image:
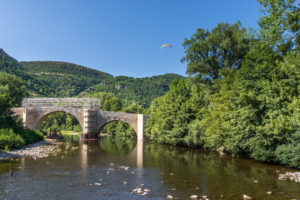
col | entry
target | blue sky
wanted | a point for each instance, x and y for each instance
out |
(118, 37)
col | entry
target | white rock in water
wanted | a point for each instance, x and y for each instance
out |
(145, 193)
(139, 191)
(169, 196)
(255, 181)
(125, 182)
(269, 192)
(194, 196)
(98, 184)
(146, 190)
(246, 196)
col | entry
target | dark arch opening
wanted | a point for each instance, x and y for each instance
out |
(117, 128)
(60, 123)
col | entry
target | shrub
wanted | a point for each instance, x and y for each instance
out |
(10, 140)
(30, 136)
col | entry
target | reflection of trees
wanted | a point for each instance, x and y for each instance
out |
(214, 175)
(117, 145)
(72, 139)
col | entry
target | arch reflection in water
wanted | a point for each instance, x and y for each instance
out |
(123, 146)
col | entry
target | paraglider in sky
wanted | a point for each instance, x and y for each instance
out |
(166, 45)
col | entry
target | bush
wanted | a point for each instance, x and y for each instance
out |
(30, 136)
(10, 140)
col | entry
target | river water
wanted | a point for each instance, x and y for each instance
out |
(112, 168)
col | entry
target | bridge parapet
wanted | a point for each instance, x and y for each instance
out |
(85, 103)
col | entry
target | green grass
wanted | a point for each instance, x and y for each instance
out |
(63, 132)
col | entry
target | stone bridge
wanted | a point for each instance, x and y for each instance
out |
(86, 110)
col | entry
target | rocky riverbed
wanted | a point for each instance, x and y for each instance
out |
(293, 176)
(40, 149)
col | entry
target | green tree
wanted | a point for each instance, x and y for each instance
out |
(210, 53)
(12, 89)
(279, 26)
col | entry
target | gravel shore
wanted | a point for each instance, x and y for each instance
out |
(40, 149)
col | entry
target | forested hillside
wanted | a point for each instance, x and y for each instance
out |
(66, 79)
(139, 90)
(35, 86)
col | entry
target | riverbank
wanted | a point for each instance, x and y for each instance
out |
(40, 149)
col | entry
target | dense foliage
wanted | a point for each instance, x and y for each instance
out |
(13, 67)
(65, 79)
(12, 134)
(208, 54)
(139, 90)
(252, 107)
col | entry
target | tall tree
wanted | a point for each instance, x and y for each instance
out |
(209, 53)
(279, 26)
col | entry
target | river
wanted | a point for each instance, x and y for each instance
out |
(116, 168)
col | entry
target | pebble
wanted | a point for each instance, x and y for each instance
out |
(194, 196)
(125, 182)
(98, 184)
(255, 181)
(145, 193)
(169, 196)
(40, 149)
(246, 197)
(269, 192)
(139, 191)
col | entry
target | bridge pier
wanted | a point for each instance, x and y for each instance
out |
(89, 125)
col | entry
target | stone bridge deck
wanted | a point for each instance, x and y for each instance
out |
(86, 110)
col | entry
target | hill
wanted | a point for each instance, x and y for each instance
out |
(66, 79)
(12, 66)
(139, 90)
(62, 79)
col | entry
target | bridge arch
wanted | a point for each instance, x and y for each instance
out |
(44, 116)
(128, 118)
(116, 120)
